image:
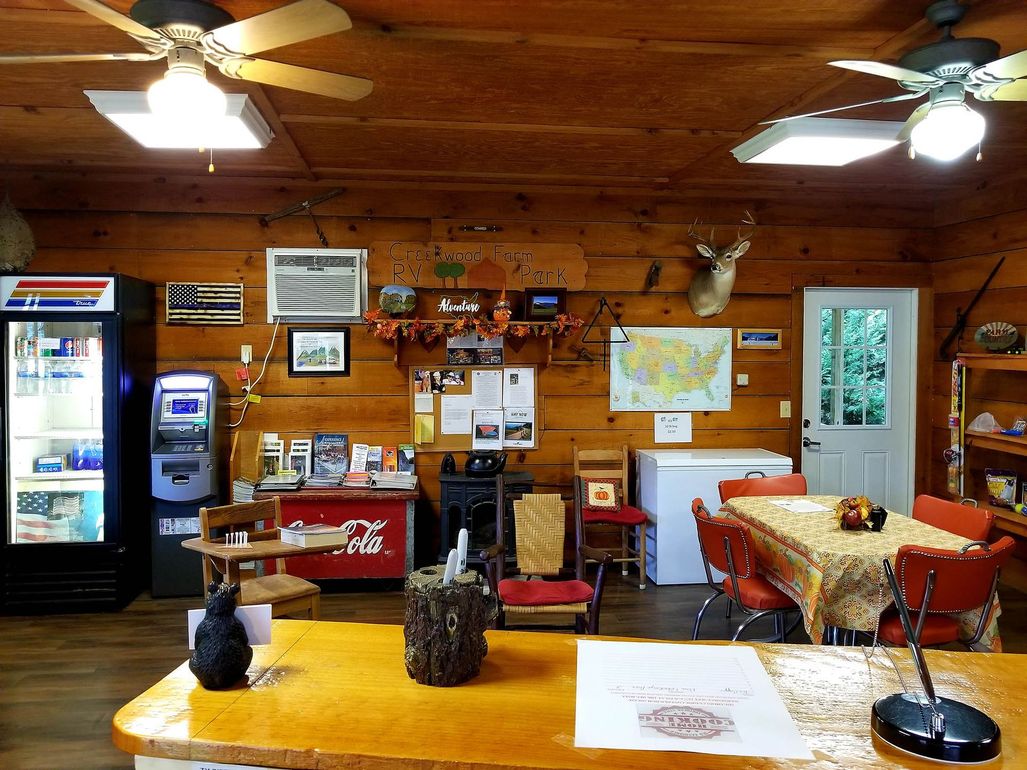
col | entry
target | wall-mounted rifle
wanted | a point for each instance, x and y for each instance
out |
(962, 315)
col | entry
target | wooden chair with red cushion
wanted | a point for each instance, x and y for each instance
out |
(539, 533)
(961, 519)
(937, 584)
(727, 545)
(604, 503)
(752, 486)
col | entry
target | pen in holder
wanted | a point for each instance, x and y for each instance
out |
(445, 625)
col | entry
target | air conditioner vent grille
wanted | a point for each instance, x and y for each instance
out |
(316, 284)
(315, 260)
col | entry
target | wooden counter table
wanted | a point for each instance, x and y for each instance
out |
(379, 522)
(336, 695)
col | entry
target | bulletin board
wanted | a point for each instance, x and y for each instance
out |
(450, 442)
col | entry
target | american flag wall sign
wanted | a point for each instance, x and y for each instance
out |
(204, 304)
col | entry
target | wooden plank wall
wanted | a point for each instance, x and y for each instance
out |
(208, 230)
(965, 253)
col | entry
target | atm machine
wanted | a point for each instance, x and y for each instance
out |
(188, 458)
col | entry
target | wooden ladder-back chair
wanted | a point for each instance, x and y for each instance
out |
(753, 485)
(937, 584)
(540, 527)
(961, 519)
(603, 473)
(287, 594)
(727, 545)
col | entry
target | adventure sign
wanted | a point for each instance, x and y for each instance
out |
(452, 265)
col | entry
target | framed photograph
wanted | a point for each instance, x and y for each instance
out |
(544, 304)
(319, 352)
(765, 339)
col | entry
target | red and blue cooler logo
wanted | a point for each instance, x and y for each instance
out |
(57, 293)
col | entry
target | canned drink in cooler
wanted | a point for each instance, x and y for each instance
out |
(78, 347)
(67, 346)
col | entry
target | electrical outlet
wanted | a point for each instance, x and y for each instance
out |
(742, 380)
(246, 354)
(786, 408)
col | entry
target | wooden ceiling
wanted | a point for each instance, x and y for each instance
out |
(583, 93)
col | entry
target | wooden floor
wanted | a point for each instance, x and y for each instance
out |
(63, 677)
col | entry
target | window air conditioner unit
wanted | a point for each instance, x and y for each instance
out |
(316, 285)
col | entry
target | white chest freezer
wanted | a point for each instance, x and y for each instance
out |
(668, 480)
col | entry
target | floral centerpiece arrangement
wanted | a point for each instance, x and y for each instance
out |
(860, 513)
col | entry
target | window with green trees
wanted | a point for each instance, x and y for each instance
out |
(853, 366)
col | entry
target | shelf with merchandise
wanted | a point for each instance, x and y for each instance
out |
(61, 476)
(429, 331)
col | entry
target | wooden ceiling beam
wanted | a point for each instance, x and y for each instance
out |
(274, 120)
(649, 45)
(528, 128)
(588, 180)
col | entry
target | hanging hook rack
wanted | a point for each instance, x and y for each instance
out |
(306, 206)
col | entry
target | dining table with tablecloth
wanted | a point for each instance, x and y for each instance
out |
(837, 576)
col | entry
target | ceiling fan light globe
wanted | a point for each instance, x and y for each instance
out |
(185, 95)
(948, 131)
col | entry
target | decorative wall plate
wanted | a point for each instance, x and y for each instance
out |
(396, 299)
(996, 336)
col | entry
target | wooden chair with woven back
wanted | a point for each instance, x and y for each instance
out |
(603, 475)
(287, 594)
(540, 530)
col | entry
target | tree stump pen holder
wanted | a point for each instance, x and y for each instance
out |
(445, 626)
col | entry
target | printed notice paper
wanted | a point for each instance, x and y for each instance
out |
(456, 414)
(672, 427)
(519, 387)
(487, 388)
(488, 429)
(681, 697)
(424, 403)
(799, 506)
(519, 428)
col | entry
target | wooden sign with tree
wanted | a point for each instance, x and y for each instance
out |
(513, 266)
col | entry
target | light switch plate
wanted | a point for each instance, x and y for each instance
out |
(786, 408)
(742, 380)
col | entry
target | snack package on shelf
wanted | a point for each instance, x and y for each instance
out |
(1001, 484)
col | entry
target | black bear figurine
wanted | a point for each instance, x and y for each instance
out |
(223, 652)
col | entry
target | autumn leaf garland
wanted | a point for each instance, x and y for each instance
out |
(430, 330)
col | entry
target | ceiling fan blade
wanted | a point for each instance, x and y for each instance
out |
(40, 58)
(292, 23)
(886, 71)
(1006, 92)
(899, 98)
(112, 17)
(1009, 67)
(918, 114)
(299, 78)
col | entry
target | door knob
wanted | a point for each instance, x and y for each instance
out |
(807, 442)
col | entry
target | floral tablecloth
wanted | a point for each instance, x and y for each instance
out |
(836, 576)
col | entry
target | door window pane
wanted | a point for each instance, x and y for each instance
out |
(853, 366)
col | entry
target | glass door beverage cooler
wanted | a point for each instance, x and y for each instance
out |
(78, 368)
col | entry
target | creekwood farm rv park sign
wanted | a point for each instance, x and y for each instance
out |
(451, 265)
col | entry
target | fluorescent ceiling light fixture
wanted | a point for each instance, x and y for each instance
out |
(240, 128)
(819, 141)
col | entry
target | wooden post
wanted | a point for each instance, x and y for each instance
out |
(445, 626)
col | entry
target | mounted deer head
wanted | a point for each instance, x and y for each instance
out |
(710, 289)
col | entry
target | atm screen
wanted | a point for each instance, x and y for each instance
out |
(181, 406)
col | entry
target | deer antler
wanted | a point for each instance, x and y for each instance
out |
(748, 220)
(693, 234)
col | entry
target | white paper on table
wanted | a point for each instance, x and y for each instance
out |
(799, 506)
(487, 388)
(424, 403)
(488, 429)
(681, 697)
(519, 387)
(456, 414)
(519, 428)
(256, 619)
(672, 427)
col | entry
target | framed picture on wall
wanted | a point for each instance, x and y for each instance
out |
(544, 304)
(319, 352)
(756, 339)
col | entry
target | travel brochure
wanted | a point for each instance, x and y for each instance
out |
(474, 349)
(326, 461)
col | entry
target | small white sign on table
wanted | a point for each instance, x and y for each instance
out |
(672, 427)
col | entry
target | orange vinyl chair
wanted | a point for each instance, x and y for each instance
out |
(937, 583)
(727, 545)
(751, 486)
(611, 465)
(540, 527)
(961, 519)
(287, 594)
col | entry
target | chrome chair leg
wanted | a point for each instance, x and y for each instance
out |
(751, 619)
(702, 610)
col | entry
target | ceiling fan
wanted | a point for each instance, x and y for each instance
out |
(945, 71)
(190, 33)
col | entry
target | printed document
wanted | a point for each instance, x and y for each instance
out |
(799, 506)
(456, 414)
(487, 388)
(519, 387)
(681, 697)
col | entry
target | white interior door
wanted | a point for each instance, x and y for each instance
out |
(859, 393)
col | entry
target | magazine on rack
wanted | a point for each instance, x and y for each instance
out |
(386, 480)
